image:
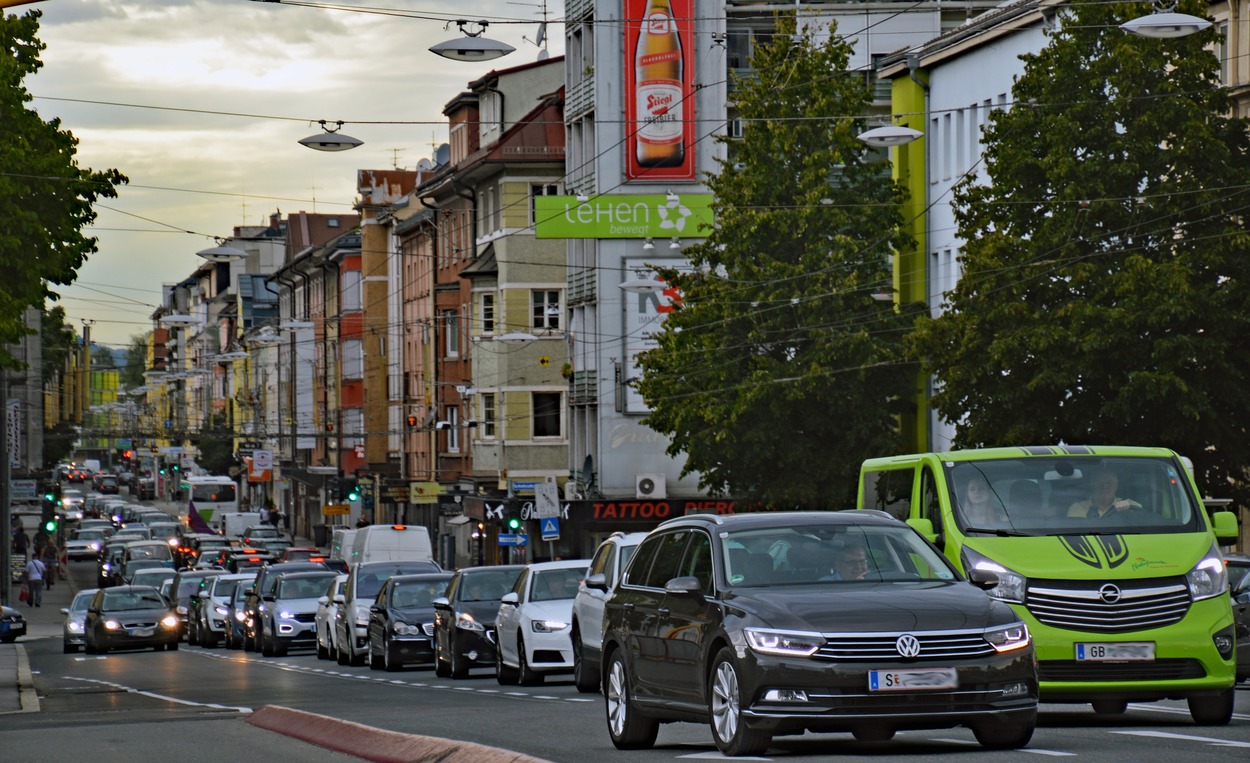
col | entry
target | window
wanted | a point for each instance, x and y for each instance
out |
(489, 416)
(487, 313)
(536, 190)
(350, 286)
(889, 491)
(545, 309)
(698, 561)
(452, 336)
(667, 564)
(547, 407)
(453, 432)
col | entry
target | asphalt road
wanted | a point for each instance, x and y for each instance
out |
(188, 705)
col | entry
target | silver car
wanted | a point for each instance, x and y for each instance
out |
(75, 615)
(214, 609)
(609, 561)
(291, 610)
(327, 608)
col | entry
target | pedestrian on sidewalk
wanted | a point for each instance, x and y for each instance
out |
(21, 542)
(49, 559)
(34, 582)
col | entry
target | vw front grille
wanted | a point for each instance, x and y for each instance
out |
(875, 647)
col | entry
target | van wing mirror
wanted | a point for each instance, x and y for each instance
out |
(1225, 525)
(598, 581)
(983, 579)
(924, 527)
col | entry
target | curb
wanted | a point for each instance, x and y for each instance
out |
(29, 698)
(376, 744)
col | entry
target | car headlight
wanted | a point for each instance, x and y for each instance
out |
(182, 610)
(1006, 638)
(467, 622)
(112, 625)
(240, 615)
(404, 629)
(785, 643)
(173, 542)
(285, 615)
(93, 546)
(1011, 584)
(74, 626)
(106, 566)
(169, 621)
(548, 626)
(1209, 577)
(221, 611)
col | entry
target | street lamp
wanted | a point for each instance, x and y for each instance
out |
(642, 284)
(1164, 23)
(888, 136)
(222, 252)
(331, 139)
(473, 46)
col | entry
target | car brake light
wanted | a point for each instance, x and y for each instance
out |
(398, 527)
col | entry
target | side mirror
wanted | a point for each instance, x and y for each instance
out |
(924, 527)
(510, 597)
(983, 579)
(375, 608)
(269, 597)
(683, 586)
(442, 603)
(65, 610)
(203, 594)
(324, 600)
(598, 581)
(1225, 525)
(339, 599)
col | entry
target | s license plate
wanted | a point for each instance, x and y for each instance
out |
(897, 680)
(142, 631)
(1131, 651)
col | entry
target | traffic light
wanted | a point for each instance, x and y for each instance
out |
(50, 525)
(413, 420)
(176, 467)
(334, 488)
(514, 521)
(351, 489)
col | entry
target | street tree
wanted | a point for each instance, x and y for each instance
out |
(777, 370)
(136, 362)
(102, 358)
(1105, 295)
(45, 197)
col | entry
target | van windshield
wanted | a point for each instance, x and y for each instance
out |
(1073, 495)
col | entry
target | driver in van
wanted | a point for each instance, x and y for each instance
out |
(1102, 497)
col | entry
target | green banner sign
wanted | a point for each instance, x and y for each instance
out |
(624, 216)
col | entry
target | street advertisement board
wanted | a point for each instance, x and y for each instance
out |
(659, 90)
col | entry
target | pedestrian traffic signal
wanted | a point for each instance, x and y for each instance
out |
(334, 488)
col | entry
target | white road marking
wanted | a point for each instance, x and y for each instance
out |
(715, 755)
(162, 697)
(1213, 741)
(1155, 708)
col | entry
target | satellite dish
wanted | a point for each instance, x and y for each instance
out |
(425, 164)
(442, 154)
(588, 470)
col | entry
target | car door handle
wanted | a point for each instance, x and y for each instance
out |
(627, 605)
(663, 611)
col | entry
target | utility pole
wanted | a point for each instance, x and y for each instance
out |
(6, 512)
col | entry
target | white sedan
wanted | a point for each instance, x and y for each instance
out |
(532, 633)
(327, 608)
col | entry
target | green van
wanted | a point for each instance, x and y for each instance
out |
(1106, 553)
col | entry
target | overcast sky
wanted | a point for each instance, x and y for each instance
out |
(206, 173)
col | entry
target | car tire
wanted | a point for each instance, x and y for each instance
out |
(356, 660)
(629, 729)
(441, 668)
(375, 660)
(526, 676)
(1110, 706)
(459, 663)
(322, 652)
(341, 657)
(1005, 735)
(729, 728)
(389, 663)
(172, 646)
(266, 647)
(585, 679)
(210, 640)
(279, 647)
(505, 675)
(69, 648)
(1212, 709)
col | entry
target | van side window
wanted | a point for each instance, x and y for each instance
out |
(930, 504)
(889, 491)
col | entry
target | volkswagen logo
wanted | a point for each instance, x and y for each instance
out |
(1109, 593)
(908, 645)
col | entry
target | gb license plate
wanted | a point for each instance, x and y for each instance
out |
(914, 680)
(1128, 651)
(142, 631)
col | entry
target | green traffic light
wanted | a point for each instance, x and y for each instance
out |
(50, 525)
(514, 523)
(162, 470)
(353, 495)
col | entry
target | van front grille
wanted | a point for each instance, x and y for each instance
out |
(1100, 606)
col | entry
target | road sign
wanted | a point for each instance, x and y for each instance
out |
(513, 539)
(550, 527)
(546, 500)
(262, 459)
(23, 490)
(336, 509)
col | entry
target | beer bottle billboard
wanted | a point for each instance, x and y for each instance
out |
(659, 100)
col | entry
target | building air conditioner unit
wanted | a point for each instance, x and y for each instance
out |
(650, 486)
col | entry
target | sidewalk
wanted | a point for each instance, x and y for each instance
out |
(17, 692)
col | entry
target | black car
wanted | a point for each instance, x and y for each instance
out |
(129, 617)
(185, 594)
(401, 620)
(1239, 588)
(12, 625)
(464, 619)
(782, 623)
(266, 581)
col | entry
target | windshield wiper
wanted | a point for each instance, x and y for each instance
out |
(1001, 532)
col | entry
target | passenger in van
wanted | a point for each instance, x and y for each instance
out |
(980, 506)
(1103, 498)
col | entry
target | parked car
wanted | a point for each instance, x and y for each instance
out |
(401, 620)
(608, 562)
(266, 580)
(12, 625)
(351, 622)
(214, 613)
(327, 608)
(1239, 588)
(75, 616)
(291, 610)
(464, 619)
(532, 636)
(129, 617)
(704, 626)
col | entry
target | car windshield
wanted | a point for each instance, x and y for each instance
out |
(225, 588)
(89, 535)
(487, 586)
(302, 588)
(417, 593)
(121, 601)
(188, 585)
(159, 552)
(1073, 495)
(370, 582)
(81, 601)
(828, 554)
(550, 585)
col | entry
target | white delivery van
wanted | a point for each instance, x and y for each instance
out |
(391, 543)
(341, 543)
(232, 523)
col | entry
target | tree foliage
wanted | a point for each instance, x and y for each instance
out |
(58, 341)
(45, 197)
(136, 362)
(1105, 296)
(216, 446)
(779, 372)
(102, 358)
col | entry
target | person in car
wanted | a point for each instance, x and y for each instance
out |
(1102, 497)
(979, 504)
(850, 562)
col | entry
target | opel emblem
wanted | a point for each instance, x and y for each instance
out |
(908, 645)
(1109, 593)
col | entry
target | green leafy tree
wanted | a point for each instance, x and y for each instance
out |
(136, 362)
(216, 446)
(45, 197)
(102, 358)
(780, 372)
(58, 341)
(1105, 295)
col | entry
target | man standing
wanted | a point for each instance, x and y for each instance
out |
(21, 541)
(34, 582)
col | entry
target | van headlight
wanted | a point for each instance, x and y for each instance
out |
(784, 643)
(1011, 584)
(1209, 577)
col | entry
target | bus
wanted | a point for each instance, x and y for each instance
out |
(210, 496)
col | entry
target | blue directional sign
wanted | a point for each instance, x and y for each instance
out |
(513, 539)
(551, 528)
